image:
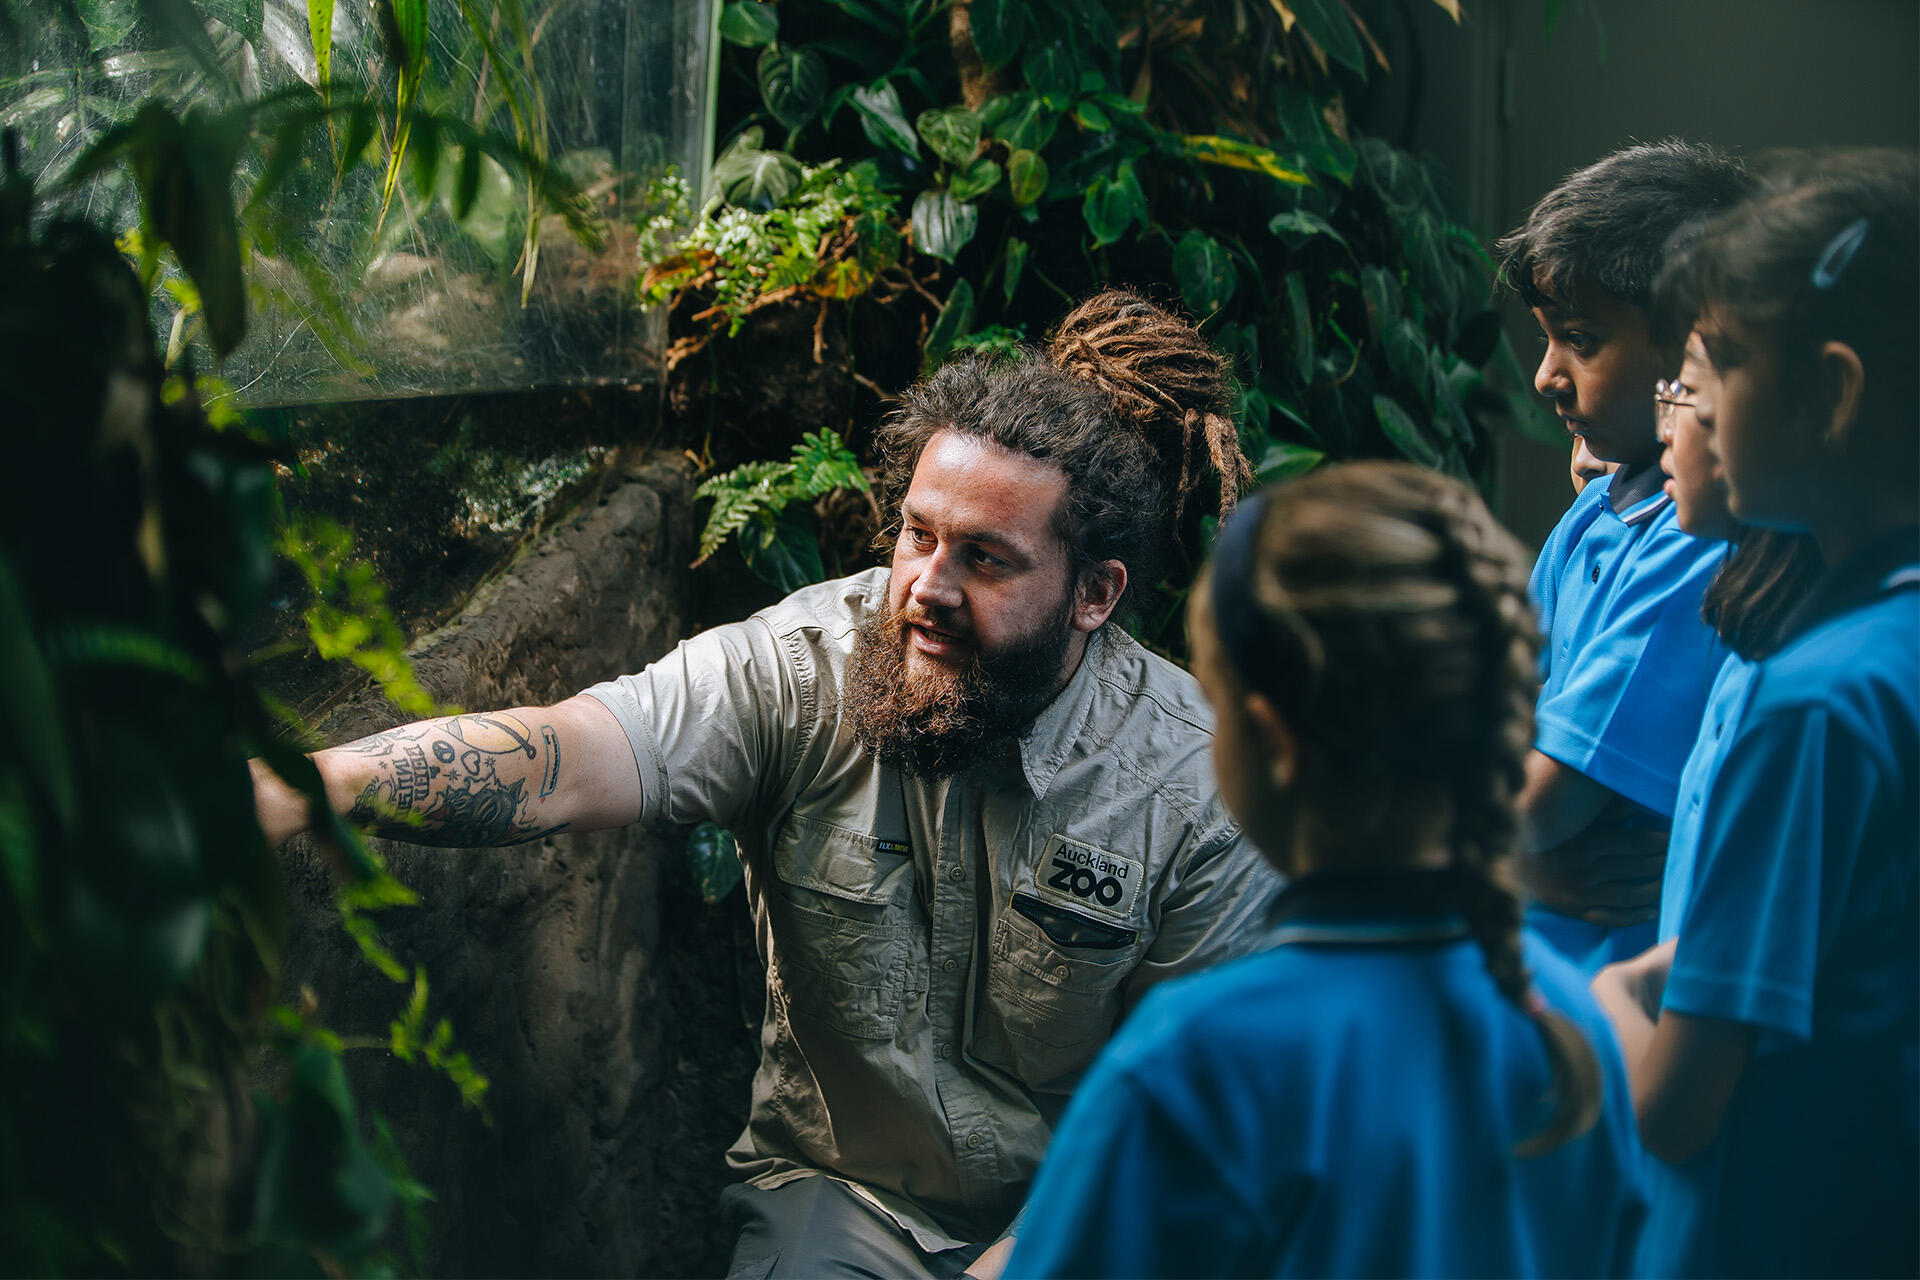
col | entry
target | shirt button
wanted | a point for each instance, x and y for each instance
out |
(974, 1139)
(956, 871)
(946, 1050)
(949, 965)
(1062, 973)
(1596, 571)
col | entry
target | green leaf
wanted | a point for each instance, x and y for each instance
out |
(1049, 69)
(1205, 272)
(955, 318)
(976, 179)
(784, 552)
(1302, 324)
(1025, 123)
(1091, 117)
(749, 23)
(1231, 153)
(793, 84)
(1016, 262)
(1331, 27)
(756, 179)
(1405, 344)
(1284, 461)
(882, 118)
(952, 132)
(320, 29)
(1385, 303)
(1296, 227)
(1026, 177)
(1404, 434)
(942, 225)
(1113, 205)
(184, 170)
(29, 700)
(999, 29)
(713, 861)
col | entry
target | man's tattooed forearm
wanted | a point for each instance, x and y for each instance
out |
(552, 776)
(457, 798)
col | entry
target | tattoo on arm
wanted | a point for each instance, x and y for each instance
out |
(457, 798)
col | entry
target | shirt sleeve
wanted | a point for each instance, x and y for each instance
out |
(1128, 1191)
(1625, 709)
(715, 725)
(1215, 911)
(1781, 833)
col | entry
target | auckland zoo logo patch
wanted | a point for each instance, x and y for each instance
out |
(1083, 878)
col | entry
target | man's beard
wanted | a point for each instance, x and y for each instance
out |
(935, 721)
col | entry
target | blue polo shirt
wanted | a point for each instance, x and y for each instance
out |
(1724, 707)
(1801, 923)
(1625, 666)
(1343, 1103)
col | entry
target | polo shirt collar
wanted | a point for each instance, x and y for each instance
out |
(1385, 907)
(1885, 564)
(1045, 745)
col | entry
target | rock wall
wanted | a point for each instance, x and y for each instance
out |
(582, 974)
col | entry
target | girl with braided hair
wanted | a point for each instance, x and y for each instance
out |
(1403, 1082)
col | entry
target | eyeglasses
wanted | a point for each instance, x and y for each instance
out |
(1669, 395)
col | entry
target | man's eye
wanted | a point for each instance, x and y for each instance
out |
(919, 537)
(986, 561)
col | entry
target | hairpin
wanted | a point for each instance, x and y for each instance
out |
(1838, 253)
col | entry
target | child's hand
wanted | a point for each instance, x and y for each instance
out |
(1607, 875)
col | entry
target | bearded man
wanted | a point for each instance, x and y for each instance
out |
(977, 820)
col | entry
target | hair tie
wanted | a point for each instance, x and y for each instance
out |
(1234, 616)
(1839, 252)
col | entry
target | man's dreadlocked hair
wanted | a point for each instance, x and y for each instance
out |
(1126, 398)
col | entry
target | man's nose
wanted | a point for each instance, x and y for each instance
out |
(938, 583)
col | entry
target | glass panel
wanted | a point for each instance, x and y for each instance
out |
(364, 295)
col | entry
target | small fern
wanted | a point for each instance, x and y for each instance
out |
(758, 492)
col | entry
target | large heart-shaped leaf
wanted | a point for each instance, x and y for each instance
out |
(1114, 204)
(975, 179)
(1404, 433)
(749, 23)
(1026, 177)
(793, 84)
(882, 118)
(999, 29)
(952, 132)
(956, 317)
(1205, 272)
(942, 225)
(754, 179)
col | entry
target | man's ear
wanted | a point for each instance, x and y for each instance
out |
(1283, 749)
(1843, 384)
(1099, 592)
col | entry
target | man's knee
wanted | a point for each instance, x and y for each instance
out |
(816, 1227)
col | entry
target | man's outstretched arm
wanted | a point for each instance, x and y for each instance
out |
(482, 778)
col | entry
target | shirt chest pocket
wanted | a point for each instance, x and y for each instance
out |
(841, 936)
(1053, 992)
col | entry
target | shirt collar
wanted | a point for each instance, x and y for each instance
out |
(1888, 563)
(1045, 745)
(1372, 908)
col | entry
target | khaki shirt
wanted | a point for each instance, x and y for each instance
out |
(944, 959)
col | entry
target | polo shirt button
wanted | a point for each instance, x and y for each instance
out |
(1062, 973)
(974, 1139)
(949, 964)
(946, 1050)
(955, 871)
(1596, 571)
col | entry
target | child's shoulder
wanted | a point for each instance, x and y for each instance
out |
(1859, 663)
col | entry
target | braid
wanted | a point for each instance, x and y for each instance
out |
(1401, 646)
(1167, 383)
(1493, 589)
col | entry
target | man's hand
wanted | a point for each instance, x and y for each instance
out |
(992, 1261)
(1607, 875)
(485, 778)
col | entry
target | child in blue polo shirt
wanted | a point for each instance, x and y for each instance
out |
(1764, 577)
(1773, 1043)
(1627, 661)
(1403, 1083)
